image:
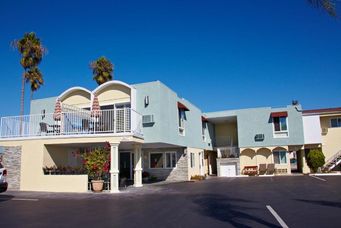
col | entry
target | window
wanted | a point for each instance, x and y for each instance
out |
(335, 122)
(170, 159)
(159, 160)
(280, 157)
(182, 118)
(203, 127)
(280, 123)
(192, 160)
(280, 126)
(156, 160)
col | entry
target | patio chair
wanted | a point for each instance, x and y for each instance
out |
(44, 128)
(270, 169)
(262, 169)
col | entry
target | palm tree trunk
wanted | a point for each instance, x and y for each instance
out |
(22, 102)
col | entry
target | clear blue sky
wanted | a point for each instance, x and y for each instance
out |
(217, 54)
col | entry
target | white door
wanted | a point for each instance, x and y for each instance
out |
(227, 170)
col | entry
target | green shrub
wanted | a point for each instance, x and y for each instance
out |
(315, 159)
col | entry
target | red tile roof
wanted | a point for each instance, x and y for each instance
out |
(322, 111)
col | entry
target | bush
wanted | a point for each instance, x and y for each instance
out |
(315, 159)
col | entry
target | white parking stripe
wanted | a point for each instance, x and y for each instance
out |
(279, 219)
(318, 178)
(23, 199)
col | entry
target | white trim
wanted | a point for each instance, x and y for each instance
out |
(71, 136)
(72, 89)
(113, 82)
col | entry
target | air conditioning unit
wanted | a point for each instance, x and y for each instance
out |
(259, 137)
(324, 131)
(148, 119)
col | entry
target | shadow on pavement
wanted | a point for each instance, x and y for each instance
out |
(5, 197)
(321, 202)
(229, 210)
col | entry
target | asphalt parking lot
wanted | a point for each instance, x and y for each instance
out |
(301, 201)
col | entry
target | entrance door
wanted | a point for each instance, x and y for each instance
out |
(125, 165)
(227, 170)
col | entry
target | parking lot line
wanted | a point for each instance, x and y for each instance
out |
(23, 199)
(277, 217)
(318, 178)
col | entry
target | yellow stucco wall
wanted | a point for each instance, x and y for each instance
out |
(331, 142)
(113, 94)
(196, 169)
(35, 154)
(78, 98)
(224, 131)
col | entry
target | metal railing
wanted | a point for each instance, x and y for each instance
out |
(115, 121)
(228, 152)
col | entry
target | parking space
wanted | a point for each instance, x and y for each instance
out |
(301, 201)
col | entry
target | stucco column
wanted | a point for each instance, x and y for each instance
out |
(114, 167)
(305, 167)
(138, 165)
(218, 153)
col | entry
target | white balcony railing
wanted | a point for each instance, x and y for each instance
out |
(114, 121)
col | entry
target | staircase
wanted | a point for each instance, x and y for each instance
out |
(332, 162)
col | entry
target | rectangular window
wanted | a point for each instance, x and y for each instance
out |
(335, 122)
(192, 160)
(182, 118)
(156, 160)
(280, 123)
(280, 157)
(203, 127)
(170, 159)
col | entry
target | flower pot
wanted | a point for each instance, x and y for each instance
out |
(97, 185)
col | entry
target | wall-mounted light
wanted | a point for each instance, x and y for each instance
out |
(146, 101)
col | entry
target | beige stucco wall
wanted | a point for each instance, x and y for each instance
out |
(113, 94)
(224, 131)
(78, 98)
(32, 162)
(196, 169)
(331, 142)
(257, 156)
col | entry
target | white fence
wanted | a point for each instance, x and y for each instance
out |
(115, 121)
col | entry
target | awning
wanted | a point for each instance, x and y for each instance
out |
(279, 114)
(182, 106)
(204, 119)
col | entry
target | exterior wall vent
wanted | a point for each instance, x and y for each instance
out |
(259, 137)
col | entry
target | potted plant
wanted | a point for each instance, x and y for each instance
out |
(145, 176)
(96, 162)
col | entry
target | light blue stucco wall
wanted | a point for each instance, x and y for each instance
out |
(163, 105)
(258, 121)
(38, 105)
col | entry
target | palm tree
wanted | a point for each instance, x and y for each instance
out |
(102, 70)
(35, 78)
(31, 51)
(328, 5)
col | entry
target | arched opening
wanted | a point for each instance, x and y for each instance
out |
(77, 97)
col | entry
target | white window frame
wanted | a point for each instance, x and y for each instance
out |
(192, 159)
(181, 121)
(281, 151)
(337, 121)
(281, 133)
(164, 162)
(165, 159)
(203, 131)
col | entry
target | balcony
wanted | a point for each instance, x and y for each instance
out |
(118, 122)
